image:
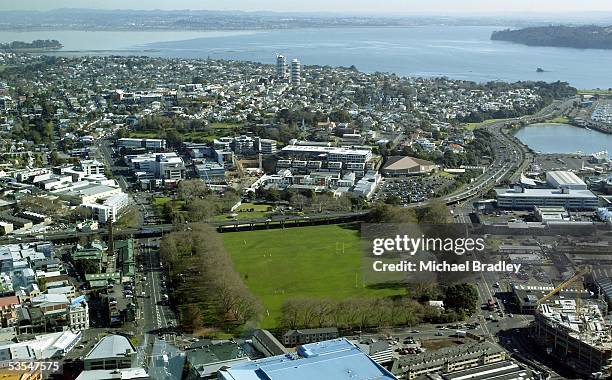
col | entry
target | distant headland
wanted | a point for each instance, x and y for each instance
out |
(34, 45)
(580, 37)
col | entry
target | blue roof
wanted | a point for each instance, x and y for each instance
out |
(78, 300)
(336, 359)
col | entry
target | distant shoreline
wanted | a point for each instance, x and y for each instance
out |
(577, 37)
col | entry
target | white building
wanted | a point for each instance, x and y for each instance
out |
(92, 167)
(110, 209)
(565, 179)
(332, 154)
(78, 315)
(267, 146)
(86, 192)
(524, 199)
(169, 168)
(166, 166)
(366, 187)
(296, 71)
(566, 190)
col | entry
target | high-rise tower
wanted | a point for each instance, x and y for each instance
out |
(281, 67)
(296, 71)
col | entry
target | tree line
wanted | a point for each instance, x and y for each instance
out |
(196, 203)
(460, 301)
(204, 284)
(581, 37)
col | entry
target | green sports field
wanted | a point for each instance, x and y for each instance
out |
(306, 262)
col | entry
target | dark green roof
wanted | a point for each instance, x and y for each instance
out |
(210, 352)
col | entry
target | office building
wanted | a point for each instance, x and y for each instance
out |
(147, 144)
(243, 145)
(109, 209)
(521, 198)
(86, 192)
(330, 154)
(206, 357)
(565, 189)
(78, 314)
(266, 146)
(92, 167)
(211, 172)
(164, 166)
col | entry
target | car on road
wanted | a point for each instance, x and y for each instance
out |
(439, 333)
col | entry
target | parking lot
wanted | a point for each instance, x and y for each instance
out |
(411, 189)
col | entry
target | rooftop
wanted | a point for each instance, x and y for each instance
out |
(506, 370)
(325, 149)
(336, 359)
(464, 351)
(564, 178)
(111, 346)
(122, 374)
(405, 163)
(548, 193)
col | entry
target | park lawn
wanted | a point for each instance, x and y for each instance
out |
(444, 174)
(473, 126)
(143, 134)
(559, 120)
(595, 92)
(224, 125)
(159, 202)
(259, 211)
(301, 262)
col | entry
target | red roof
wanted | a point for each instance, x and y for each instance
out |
(7, 301)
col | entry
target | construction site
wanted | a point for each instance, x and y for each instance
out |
(575, 330)
(579, 336)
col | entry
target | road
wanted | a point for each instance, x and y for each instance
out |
(156, 318)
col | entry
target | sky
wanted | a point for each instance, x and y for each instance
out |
(341, 6)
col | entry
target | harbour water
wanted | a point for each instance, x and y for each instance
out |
(459, 52)
(564, 138)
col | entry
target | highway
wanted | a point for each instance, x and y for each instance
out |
(511, 158)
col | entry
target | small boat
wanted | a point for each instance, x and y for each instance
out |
(539, 70)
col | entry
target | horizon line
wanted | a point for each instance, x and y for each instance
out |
(329, 12)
